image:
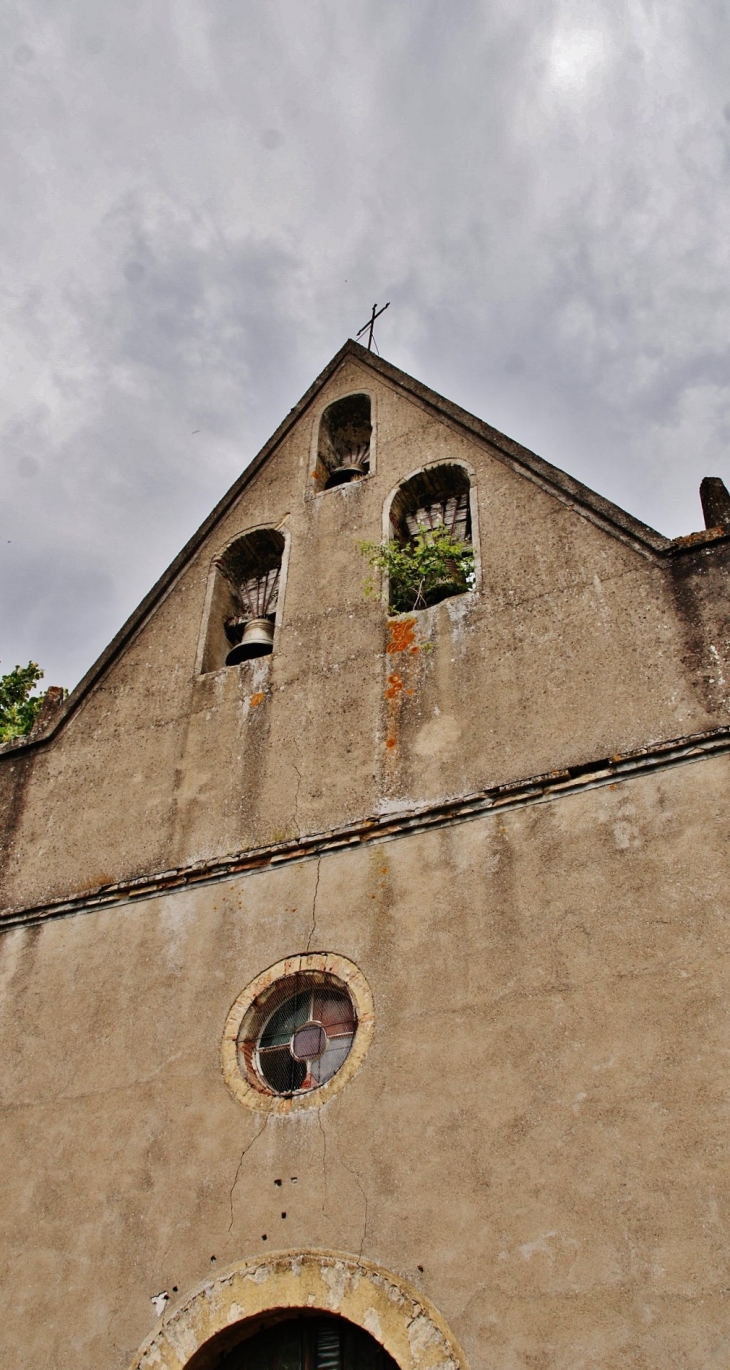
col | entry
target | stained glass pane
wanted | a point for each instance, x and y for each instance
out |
(337, 1050)
(284, 1022)
(308, 1042)
(333, 1009)
(305, 1039)
(281, 1071)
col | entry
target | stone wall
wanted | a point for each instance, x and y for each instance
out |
(580, 641)
(536, 1138)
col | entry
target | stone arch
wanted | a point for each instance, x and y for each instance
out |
(394, 1312)
(433, 475)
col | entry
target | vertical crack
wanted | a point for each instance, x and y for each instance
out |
(324, 1161)
(314, 905)
(296, 800)
(298, 788)
(244, 1153)
(359, 1184)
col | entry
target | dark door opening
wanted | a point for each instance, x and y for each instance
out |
(309, 1342)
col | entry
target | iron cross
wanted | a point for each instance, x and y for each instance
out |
(371, 324)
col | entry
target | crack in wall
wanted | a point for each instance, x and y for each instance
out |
(359, 1184)
(244, 1153)
(295, 768)
(314, 904)
(325, 1214)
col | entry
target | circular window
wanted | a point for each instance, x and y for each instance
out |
(307, 1038)
(299, 1029)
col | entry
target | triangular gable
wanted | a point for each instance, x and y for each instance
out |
(550, 478)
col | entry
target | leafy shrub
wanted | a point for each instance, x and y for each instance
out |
(18, 708)
(422, 572)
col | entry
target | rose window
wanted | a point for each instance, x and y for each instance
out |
(302, 1041)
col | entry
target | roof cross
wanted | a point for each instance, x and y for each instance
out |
(371, 324)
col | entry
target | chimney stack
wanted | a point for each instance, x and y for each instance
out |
(715, 502)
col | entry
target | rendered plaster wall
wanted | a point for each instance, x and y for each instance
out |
(574, 646)
(541, 1121)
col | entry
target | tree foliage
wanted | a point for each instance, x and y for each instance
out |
(18, 707)
(422, 572)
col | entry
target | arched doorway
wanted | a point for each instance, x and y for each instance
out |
(304, 1341)
(383, 1315)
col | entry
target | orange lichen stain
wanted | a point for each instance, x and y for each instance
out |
(391, 742)
(257, 699)
(395, 685)
(414, 650)
(410, 692)
(402, 636)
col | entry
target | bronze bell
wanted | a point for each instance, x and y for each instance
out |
(342, 475)
(355, 466)
(257, 640)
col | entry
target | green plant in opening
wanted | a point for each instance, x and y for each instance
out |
(18, 708)
(422, 572)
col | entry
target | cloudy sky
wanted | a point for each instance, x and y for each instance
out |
(202, 199)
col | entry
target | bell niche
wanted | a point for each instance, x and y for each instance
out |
(245, 595)
(343, 448)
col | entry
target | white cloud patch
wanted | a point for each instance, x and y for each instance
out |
(576, 57)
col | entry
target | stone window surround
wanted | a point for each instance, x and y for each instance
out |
(351, 978)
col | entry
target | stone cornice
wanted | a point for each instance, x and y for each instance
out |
(385, 827)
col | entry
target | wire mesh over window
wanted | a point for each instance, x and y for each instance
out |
(310, 1342)
(301, 1036)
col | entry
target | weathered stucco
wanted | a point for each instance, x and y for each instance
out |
(532, 1149)
(541, 1120)
(576, 645)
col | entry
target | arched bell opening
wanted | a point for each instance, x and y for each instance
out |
(293, 1339)
(243, 596)
(438, 495)
(343, 447)
(431, 519)
(252, 567)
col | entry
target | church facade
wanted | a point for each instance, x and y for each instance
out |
(364, 969)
